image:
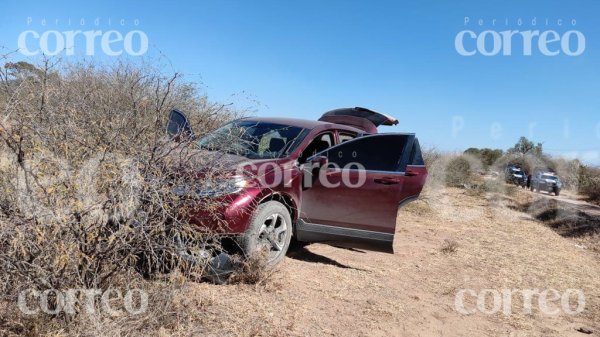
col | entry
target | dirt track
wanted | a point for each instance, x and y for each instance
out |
(452, 241)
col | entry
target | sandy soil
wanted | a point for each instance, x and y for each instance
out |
(453, 240)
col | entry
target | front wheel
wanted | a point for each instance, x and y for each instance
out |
(556, 191)
(270, 230)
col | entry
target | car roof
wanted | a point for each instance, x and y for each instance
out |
(302, 123)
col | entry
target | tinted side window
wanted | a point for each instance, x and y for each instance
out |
(416, 157)
(377, 153)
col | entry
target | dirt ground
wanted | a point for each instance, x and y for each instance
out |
(449, 241)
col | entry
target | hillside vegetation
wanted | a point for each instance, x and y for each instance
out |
(465, 169)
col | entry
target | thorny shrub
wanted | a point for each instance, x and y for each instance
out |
(87, 175)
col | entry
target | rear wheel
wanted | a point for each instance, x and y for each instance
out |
(556, 191)
(270, 230)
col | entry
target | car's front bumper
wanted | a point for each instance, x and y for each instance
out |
(228, 214)
(548, 187)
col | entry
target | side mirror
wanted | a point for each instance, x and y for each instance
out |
(179, 126)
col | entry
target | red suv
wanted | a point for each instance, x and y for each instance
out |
(335, 180)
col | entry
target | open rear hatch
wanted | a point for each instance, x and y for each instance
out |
(361, 118)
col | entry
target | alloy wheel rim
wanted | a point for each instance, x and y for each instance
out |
(272, 235)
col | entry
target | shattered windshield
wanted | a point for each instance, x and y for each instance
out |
(254, 140)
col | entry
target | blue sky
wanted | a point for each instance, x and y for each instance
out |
(301, 58)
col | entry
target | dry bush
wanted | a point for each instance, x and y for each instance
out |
(252, 270)
(450, 169)
(432, 156)
(87, 176)
(435, 162)
(568, 171)
(171, 311)
(459, 172)
(418, 207)
(454, 170)
(449, 246)
(589, 183)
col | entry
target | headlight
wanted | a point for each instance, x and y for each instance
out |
(213, 188)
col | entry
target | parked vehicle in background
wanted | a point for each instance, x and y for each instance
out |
(546, 181)
(514, 174)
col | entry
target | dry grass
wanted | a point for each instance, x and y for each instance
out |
(171, 309)
(503, 248)
(449, 246)
(418, 207)
(252, 270)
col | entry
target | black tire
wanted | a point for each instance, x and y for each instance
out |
(556, 192)
(260, 235)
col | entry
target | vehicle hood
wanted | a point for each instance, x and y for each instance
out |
(201, 161)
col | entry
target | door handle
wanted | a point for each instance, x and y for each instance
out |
(386, 181)
(410, 174)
